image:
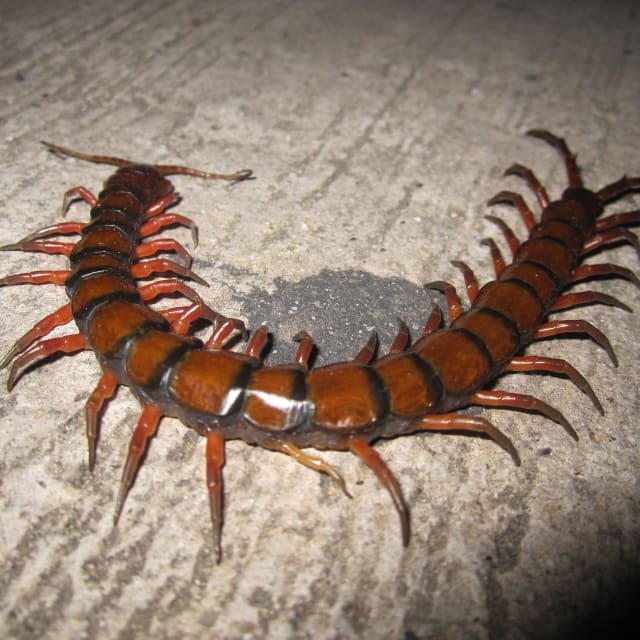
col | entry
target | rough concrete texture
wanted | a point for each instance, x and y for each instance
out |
(377, 132)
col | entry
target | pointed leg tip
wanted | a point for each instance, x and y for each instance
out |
(217, 547)
(596, 403)
(11, 382)
(119, 507)
(338, 479)
(513, 170)
(406, 530)
(92, 458)
(216, 531)
(543, 134)
(509, 447)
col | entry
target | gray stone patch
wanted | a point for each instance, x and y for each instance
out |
(339, 309)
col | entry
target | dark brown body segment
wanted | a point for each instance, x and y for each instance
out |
(458, 357)
(276, 398)
(211, 383)
(107, 337)
(413, 386)
(346, 395)
(516, 300)
(495, 330)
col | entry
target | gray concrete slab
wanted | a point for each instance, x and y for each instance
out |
(377, 132)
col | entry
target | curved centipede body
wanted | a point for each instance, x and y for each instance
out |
(224, 394)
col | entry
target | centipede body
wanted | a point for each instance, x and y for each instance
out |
(225, 394)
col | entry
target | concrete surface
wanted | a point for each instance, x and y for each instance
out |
(377, 132)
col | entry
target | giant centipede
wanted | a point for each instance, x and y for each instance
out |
(224, 393)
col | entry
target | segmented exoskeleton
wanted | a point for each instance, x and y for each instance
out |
(225, 395)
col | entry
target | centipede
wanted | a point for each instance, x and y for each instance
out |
(221, 387)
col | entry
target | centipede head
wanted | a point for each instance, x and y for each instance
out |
(587, 198)
(140, 178)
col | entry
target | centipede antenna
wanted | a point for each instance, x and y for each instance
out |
(172, 170)
(72, 153)
(164, 169)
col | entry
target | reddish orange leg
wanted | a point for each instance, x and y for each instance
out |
(153, 247)
(434, 322)
(35, 277)
(472, 424)
(402, 339)
(616, 189)
(66, 344)
(181, 318)
(496, 256)
(507, 232)
(62, 316)
(53, 247)
(605, 270)
(619, 220)
(166, 220)
(609, 236)
(305, 350)
(508, 400)
(573, 173)
(161, 204)
(215, 462)
(175, 313)
(451, 295)
(367, 352)
(515, 199)
(258, 342)
(160, 265)
(554, 365)
(575, 327)
(569, 300)
(470, 280)
(372, 459)
(77, 193)
(224, 333)
(104, 390)
(157, 288)
(532, 181)
(146, 428)
(60, 229)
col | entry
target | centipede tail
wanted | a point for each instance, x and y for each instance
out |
(347, 406)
